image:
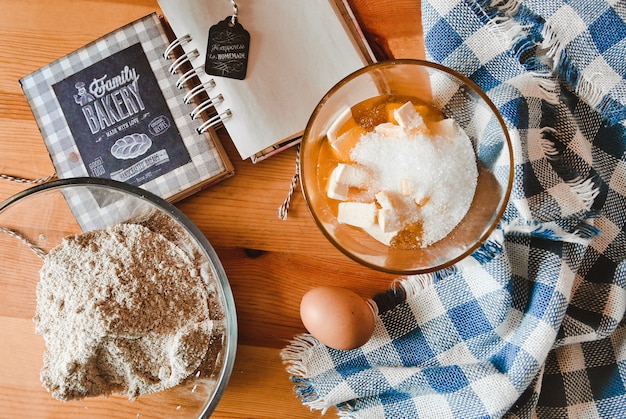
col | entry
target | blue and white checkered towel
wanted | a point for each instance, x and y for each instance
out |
(532, 324)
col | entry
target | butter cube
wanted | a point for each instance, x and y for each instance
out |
(345, 176)
(352, 174)
(344, 134)
(377, 233)
(364, 215)
(405, 187)
(388, 218)
(385, 199)
(344, 144)
(447, 128)
(389, 129)
(408, 118)
(337, 190)
(357, 214)
(333, 131)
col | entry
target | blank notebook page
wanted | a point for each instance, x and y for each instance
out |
(298, 51)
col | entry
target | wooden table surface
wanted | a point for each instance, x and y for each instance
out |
(270, 263)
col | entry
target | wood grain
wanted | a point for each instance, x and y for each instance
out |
(270, 263)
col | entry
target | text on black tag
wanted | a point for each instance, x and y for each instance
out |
(227, 50)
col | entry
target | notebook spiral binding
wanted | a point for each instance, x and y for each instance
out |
(176, 43)
(186, 76)
(183, 59)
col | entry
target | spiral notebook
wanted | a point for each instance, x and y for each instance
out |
(117, 108)
(297, 51)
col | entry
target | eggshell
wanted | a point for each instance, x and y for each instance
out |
(337, 317)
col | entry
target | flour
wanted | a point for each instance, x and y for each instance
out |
(122, 310)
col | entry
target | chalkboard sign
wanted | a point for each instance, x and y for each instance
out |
(227, 50)
(120, 120)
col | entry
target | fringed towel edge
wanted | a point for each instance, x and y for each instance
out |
(585, 189)
(501, 17)
(295, 357)
(404, 288)
(584, 86)
(581, 233)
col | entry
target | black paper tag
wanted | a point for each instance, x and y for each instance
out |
(227, 50)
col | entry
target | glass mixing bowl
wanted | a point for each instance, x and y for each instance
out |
(38, 218)
(457, 97)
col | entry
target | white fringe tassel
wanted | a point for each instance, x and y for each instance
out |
(536, 228)
(414, 284)
(296, 354)
(555, 50)
(583, 188)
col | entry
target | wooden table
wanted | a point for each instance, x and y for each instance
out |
(270, 263)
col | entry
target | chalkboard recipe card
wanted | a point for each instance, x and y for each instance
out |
(120, 120)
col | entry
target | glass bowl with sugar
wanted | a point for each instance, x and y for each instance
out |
(113, 303)
(406, 166)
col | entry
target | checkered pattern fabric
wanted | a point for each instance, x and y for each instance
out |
(206, 161)
(532, 323)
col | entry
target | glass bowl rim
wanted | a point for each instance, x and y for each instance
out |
(194, 231)
(464, 79)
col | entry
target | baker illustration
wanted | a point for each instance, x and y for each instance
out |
(83, 97)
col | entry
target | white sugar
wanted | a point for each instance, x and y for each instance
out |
(433, 177)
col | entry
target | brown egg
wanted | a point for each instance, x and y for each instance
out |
(337, 317)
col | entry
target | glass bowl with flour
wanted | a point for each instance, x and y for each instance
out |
(406, 166)
(112, 299)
